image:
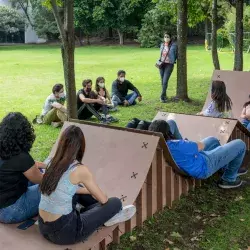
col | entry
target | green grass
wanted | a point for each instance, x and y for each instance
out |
(27, 74)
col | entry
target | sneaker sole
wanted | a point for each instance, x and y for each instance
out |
(127, 213)
(229, 187)
(240, 174)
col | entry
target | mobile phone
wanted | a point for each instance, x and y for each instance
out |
(26, 224)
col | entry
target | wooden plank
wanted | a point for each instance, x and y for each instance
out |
(169, 186)
(139, 212)
(116, 235)
(185, 186)
(177, 187)
(191, 183)
(149, 183)
(159, 179)
(128, 226)
(103, 245)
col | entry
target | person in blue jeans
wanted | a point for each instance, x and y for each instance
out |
(19, 173)
(202, 159)
(120, 88)
(168, 57)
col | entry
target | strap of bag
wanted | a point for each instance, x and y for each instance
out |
(167, 52)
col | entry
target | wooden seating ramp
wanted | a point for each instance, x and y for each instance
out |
(129, 164)
(238, 88)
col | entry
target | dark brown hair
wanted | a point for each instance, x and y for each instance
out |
(97, 87)
(71, 147)
(85, 82)
(219, 95)
(57, 87)
(162, 127)
(246, 104)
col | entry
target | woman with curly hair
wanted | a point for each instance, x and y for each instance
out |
(19, 196)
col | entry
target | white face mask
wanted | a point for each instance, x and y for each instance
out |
(122, 79)
(167, 39)
(61, 95)
(101, 84)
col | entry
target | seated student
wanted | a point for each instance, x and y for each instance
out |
(120, 89)
(203, 159)
(221, 104)
(88, 104)
(54, 113)
(67, 182)
(245, 115)
(19, 199)
(103, 93)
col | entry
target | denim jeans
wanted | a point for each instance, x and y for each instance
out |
(24, 208)
(229, 156)
(246, 123)
(76, 227)
(165, 73)
(174, 129)
(130, 98)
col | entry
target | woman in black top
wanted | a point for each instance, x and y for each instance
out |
(19, 197)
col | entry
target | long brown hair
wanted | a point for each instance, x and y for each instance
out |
(71, 147)
(97, 87)
(219, 95)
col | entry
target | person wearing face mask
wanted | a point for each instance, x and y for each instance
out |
(120, 89)
(102, 92)
(166, 63)
(54, 113)
(89, 104)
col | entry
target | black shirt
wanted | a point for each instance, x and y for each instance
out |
(121, 89)
(13, 183)
(85, 113)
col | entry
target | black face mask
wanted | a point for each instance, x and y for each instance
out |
(88, 90)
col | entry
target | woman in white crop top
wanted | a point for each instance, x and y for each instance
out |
(68, 182)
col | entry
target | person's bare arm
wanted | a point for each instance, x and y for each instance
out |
(40, 165)
(59, 106)
(82, 190)
(84, 176)
(89, 100)
(34, 175)
(201, 145)
(243, 114)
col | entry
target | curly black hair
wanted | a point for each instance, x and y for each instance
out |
(16, 135)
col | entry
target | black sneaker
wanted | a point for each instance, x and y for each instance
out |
(164, 100)
(112, 119)
(227, 185)
(242, 171)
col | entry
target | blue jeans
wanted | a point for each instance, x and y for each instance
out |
(229, 156)
(246, 123)
(24, 208)
(165, 73)
(174, 129)
(130, 98)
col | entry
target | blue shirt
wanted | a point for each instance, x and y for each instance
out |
(188, 158)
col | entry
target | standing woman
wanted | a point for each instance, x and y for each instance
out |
(166, 63)
(19, 196)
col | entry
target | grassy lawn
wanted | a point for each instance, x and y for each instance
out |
(209, 218)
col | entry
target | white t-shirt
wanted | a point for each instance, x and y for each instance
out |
(49, 101)
(213, 111)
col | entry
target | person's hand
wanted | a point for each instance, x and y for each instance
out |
(40, 164)
(139, 98)
(100, 101)
(126, 103)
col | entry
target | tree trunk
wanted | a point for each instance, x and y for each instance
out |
(68, 48)
(238, 54)
(182, 26)
(214, 35)
(207, 42)
(121, 37)
(110, 33)
(88, 41)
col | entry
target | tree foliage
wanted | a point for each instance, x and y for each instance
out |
(11, 20)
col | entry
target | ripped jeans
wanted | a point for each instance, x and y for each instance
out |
(229, 156)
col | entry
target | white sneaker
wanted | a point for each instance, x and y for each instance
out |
(56, 124)
(125, 214)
